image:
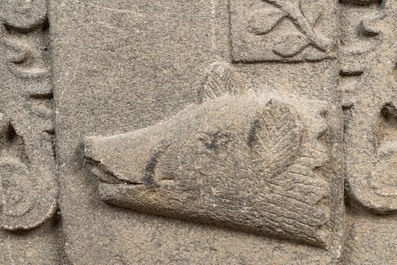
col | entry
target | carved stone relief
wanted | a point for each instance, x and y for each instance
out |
(27, 126)
(251, 162)
(205, 132)
(283, 30)
(370, 130)
(28, 188)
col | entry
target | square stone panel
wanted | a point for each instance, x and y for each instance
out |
(283, 30)
(124, 65)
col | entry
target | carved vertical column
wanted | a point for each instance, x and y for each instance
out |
(28, 190)
(369, 61)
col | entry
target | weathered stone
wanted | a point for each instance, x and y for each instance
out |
(283, 30)
(198, 132)
(243, 161)
(28, 187)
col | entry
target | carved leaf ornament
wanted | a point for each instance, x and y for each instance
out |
(304, 15)
(264, 20)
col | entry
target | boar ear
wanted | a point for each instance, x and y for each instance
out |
(275, 138)
(221, 80)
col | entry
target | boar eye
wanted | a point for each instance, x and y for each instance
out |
(204, 138)
(214, 141)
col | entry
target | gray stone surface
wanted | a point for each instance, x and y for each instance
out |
(198, 132)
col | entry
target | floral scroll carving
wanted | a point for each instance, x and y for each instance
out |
(286, 30)
(371, 131)
(27, 159)
(305, 16)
